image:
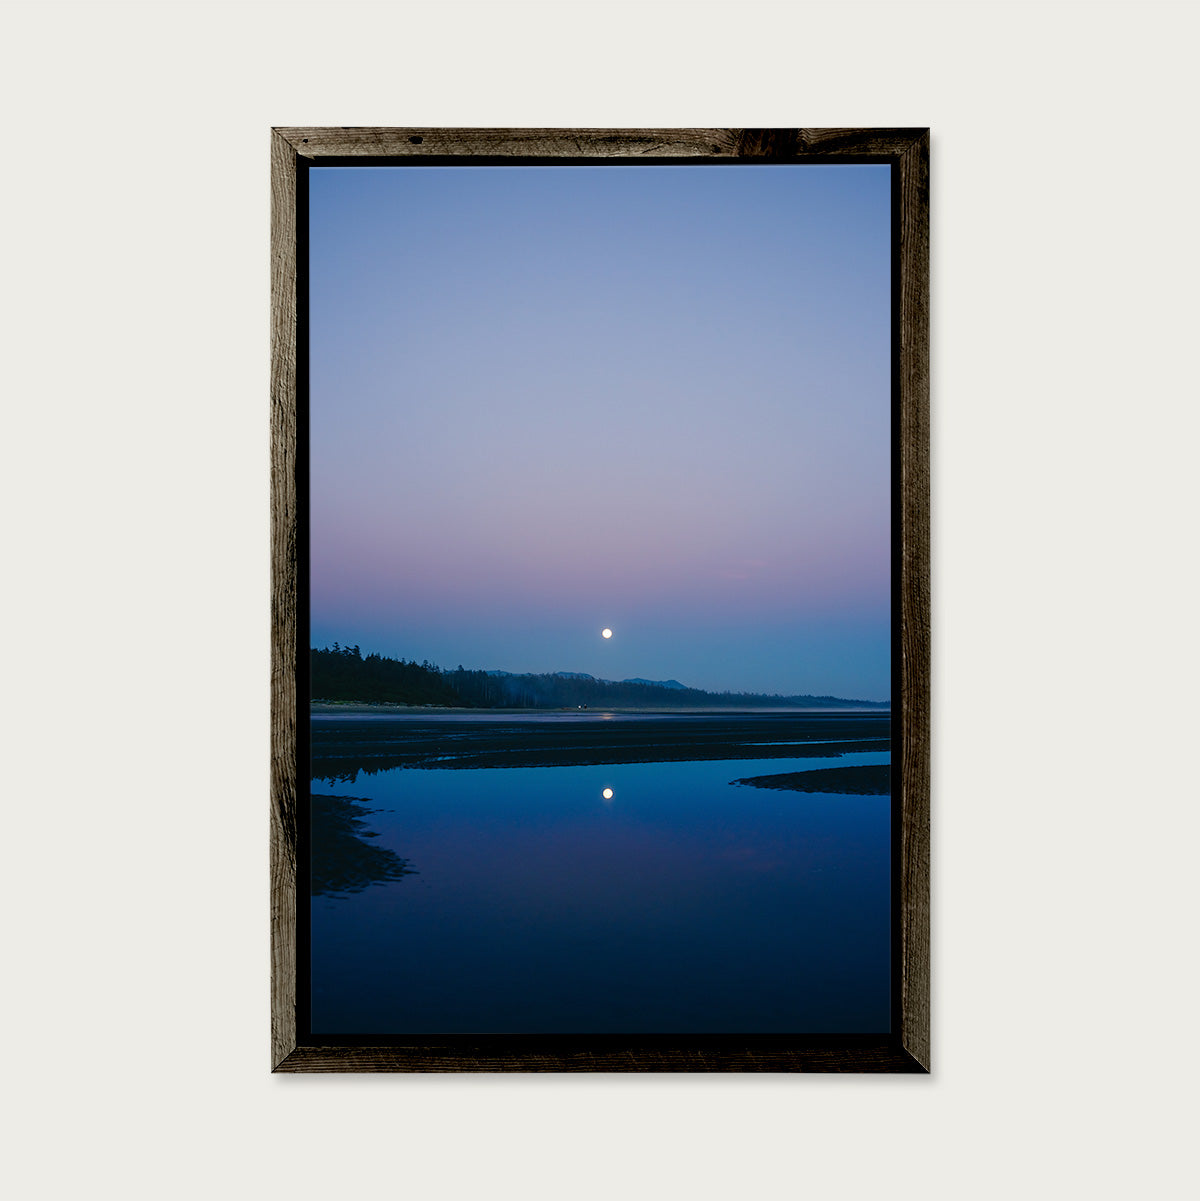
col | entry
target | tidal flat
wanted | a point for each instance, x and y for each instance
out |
(371, 739)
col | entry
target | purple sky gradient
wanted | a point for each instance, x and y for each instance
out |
(548, 400)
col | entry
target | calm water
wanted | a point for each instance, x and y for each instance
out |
(529, 902)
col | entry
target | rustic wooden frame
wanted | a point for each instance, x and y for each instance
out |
(907, 150)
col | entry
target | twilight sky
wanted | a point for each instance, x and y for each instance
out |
(546, 400)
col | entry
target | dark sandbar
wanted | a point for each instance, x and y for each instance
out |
(343, 861)
(859, 781)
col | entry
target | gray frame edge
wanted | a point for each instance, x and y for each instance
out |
(908, 149)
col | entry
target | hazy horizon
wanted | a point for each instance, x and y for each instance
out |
(546, 401)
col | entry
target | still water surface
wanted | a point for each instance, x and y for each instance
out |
(682, 904)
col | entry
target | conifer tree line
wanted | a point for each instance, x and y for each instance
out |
(343, 673)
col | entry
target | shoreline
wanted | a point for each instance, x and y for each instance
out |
(390, 709)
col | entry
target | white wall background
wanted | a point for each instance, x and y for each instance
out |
(135, 620)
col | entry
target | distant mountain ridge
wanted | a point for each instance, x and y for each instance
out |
(657, 683)
(583, 675)
(344, 674)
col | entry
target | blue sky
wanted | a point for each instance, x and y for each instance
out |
(549, 400)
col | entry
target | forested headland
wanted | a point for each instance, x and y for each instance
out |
(344, 674)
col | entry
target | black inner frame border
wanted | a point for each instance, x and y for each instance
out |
(584, 1043)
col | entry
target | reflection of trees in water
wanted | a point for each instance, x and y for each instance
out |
(330, 775)
(342, 860)
(334, 772)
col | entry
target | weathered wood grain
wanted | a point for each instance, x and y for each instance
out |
(425, 1058)
(915, 642)
(908, 151)
(705, 144)
(284, 594)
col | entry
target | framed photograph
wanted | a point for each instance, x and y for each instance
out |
(600, 600)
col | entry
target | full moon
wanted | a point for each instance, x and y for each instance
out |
(607, 794)
(606, 633)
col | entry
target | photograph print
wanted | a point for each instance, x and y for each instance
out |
(600, 558)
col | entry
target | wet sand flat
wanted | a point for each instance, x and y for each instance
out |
(384, 742)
